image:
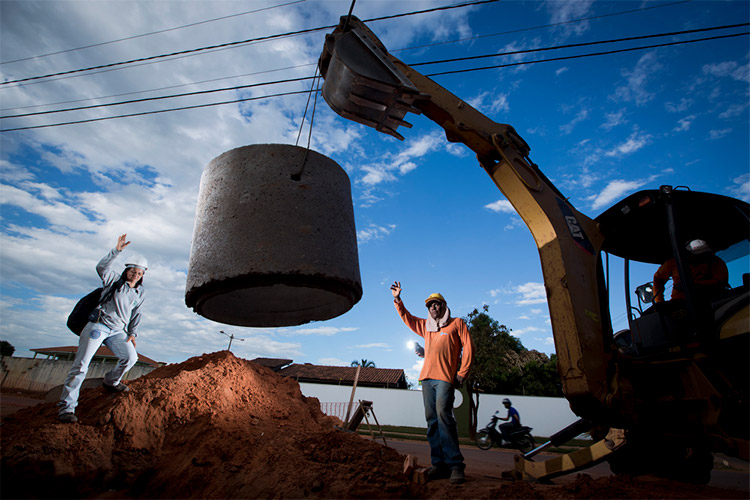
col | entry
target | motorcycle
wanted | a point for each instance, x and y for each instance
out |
(520, 438)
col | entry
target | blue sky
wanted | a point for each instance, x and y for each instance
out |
(426, 214)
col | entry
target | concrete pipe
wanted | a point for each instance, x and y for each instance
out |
(274, 242)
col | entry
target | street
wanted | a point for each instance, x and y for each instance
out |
(730, 473)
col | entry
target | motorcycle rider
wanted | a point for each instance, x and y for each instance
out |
(513, 421)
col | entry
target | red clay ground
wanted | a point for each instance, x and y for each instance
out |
(216, 426)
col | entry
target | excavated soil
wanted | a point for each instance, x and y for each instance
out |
(216, 426)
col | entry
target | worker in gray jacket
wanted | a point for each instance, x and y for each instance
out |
(114, 322)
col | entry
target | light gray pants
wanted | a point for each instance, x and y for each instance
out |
(92, 337)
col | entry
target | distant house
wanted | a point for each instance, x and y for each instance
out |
(67, 353)
(389, 378)
(274, 364)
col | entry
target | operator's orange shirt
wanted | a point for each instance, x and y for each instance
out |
(443, 348)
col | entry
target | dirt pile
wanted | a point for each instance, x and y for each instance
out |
(214, 426)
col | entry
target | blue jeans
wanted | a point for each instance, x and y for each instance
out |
(442, 432)
(92, 337)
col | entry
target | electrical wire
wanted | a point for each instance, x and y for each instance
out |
(236, 43)
(552, 25)
(157, 98)
(467, 58)
(609, 52)
(72, 101)
(429, 75)
(291, 67)
(152, 33)
(583, 44)
(158, 111)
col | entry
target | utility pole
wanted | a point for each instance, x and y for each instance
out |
(231, 338)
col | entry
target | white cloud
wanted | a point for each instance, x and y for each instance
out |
(634, 90)
(683, 124)
(718, 134)
(531, 293)
(561, 12)
(734, 110)
(637, 140)
(728, 69)
(373, 345)
(567, 128)
(680, 107)
(518, 332)
(740, 187)
(613, 119)
(324, 331)
(614, 191)
(333, 362)
(501, 206)
(374, 232)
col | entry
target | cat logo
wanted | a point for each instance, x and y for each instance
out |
(576, 231)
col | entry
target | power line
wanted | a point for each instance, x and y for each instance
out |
(552, 25)
(393, 51)
(583, 44)
(152, 32)
(147, 99)
(467, 58)
(429, 75)
(157, 111)
(609, 52)
(241, 42)
(72, 101)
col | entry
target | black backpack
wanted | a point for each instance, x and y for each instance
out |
(79, 316)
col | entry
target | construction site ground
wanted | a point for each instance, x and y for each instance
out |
(216, 426)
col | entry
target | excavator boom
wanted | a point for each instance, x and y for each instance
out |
(364, 83)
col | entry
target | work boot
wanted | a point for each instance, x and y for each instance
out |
(68, 418)
(457, 476)
(438, 472)
(116, 388)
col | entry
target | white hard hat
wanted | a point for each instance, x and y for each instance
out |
(137, 261)
(697, 247)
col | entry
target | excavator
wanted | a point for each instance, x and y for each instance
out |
(664, 394)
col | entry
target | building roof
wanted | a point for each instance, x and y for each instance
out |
(102, 352)
(274, 364)
(344, 375)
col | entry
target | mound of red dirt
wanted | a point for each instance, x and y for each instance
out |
(217, 426)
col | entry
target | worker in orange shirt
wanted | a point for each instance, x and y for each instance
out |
(447, 341)
(709, 273)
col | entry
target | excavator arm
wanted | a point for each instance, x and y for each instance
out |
(364, 83)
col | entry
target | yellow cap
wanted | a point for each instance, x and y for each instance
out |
(433, 297)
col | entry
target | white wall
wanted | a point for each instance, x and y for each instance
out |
(404, 407)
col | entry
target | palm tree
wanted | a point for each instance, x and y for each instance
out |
(364, 363)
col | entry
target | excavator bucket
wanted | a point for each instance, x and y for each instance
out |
(361, 82)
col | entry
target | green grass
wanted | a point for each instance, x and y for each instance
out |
(420, 434)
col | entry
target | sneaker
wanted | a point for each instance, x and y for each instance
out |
(68, 418)
(116, 388)
(437, 472)
(457, 476)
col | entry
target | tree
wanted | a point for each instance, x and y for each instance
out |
(6, 348)
(364, 363)
(502, 365)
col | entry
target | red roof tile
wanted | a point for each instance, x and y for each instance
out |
(373, 377)
(102, 352)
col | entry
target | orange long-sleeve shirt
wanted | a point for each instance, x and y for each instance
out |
(443, 348)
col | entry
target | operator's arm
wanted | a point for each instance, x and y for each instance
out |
(661, 276)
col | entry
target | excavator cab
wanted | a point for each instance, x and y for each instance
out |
(653, 227)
